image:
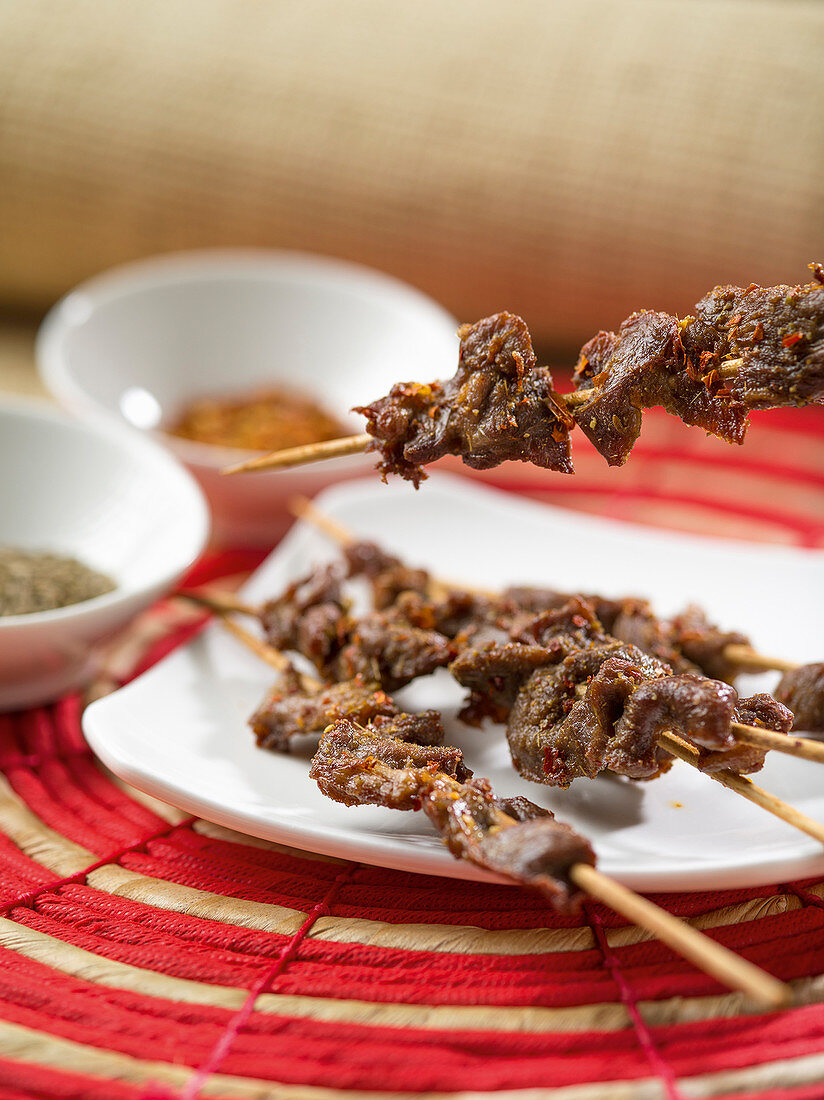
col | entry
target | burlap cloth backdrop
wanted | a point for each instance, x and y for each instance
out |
(571, 160)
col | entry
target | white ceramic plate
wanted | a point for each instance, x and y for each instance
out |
(179, 732)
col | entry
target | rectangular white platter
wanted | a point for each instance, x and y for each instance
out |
(180, 731)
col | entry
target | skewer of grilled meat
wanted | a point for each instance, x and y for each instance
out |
(578, 701)
(393, 646)
(686, 642)
(298, 705)
(311, 617)
(511, 837)
(744, 348)
(383, 647)
(360, 766)
(524, 852)
(414, 632)
(802, 690)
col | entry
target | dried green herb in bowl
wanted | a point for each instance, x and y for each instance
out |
(33, 581)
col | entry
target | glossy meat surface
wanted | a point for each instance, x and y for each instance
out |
(293, 708)
(359, 766)
(643, 365)
(758, 710)
(802, 690)
(566, 722)
(776, 331)
(513, 837)
(499, 405)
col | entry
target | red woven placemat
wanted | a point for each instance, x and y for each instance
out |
(144, 954)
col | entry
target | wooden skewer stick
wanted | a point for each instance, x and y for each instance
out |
(336, 448)
(780, 742)
(306, 509)
(724, 965)
(752, 661)
(221, 602)
(303, 455)
(749, 659)
(218, 601)
(713, 958)
(357, 444)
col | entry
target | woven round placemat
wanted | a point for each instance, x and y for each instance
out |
(145, 954)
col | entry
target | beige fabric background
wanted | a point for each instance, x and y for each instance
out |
(569, 160)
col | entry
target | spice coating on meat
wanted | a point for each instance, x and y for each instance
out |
(802, 690)
(758, 710)
(573, 625)
(566, 720)
(499, 405)
(636, 623)
(425, 728)
(383, 647)
(388, 575)
(704, 644)
(295, 707)
(778, 334)
(537, 852)
(309, 616)
(642, 365)
(494, 673)
(292, 707)
(356, 767)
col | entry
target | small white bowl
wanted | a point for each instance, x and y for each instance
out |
(110, 498)
(141, 341)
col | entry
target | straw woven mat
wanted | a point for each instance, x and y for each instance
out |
(148, 956)
(530, 155)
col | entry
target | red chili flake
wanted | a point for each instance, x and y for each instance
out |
(552, 763)
(791, 341)
(713, 382)
(758, 333)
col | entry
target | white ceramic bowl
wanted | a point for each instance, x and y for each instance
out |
(112, 499)
(142, 340)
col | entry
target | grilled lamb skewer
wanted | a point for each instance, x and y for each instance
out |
(359, 766)
(313, 618)
(412, 648)
(294, 707)
(526, 851)
(743, 349)
(802, 690)
(578, 702)
(512, 837)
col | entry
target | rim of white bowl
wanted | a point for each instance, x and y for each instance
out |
(199, 265)
(145, 451)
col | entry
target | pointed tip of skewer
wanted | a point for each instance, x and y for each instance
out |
(260, 462)
(300, 506)
(305, 453)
